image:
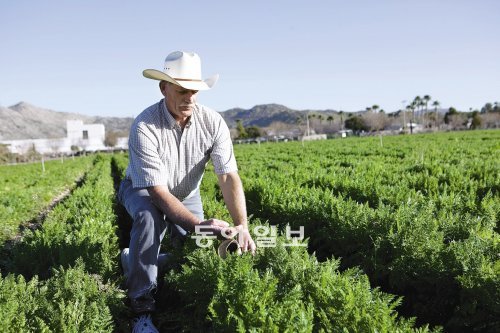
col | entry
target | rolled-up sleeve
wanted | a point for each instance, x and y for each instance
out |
(222, 154)
(146, 167)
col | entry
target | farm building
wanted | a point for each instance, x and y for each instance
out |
(80, 136)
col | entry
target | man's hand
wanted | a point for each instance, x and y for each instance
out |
(244, 239)
(214, 226)
(222, 230)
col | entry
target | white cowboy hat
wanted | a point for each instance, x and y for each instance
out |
(183, 69)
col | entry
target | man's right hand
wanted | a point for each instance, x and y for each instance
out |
(215, 226)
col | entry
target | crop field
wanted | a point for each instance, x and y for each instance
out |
(398, 234)
(25, 190)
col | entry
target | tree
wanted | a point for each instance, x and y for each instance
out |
(5, 154)
(242, 134)
(435, 104)
(32, 154)
(476, 120)
(491, 120)
(426, 100)
(488, 107)
(320, 118)
(253, 132)
(330, 120)
(375, 121)
(356, 124)
(417, 103)
(111, 139)
(412, 107)
(447, 117)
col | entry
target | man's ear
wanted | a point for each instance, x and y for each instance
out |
(162, 86)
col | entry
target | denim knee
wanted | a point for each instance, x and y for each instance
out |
(147, 221)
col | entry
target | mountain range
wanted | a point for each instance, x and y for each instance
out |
(266, 114)
(26, 121)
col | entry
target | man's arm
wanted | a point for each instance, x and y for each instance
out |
(178, 213)
(234, 197)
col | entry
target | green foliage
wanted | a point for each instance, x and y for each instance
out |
(242, 133)
(281, 289)
(82, 226)
(121, 162)
(67, 262)
(418, 215)
(356, 124)
(253, 131)
(476, 120)
(25, 190)
(70, 301)
(451, 112)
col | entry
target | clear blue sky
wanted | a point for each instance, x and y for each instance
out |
(88, 56)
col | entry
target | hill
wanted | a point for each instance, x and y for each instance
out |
(26, 121)
(266, 114)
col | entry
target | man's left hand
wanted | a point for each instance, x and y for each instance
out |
(244, 238)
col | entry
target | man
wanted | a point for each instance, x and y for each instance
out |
(170, 144)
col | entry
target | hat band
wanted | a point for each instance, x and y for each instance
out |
(187, 80)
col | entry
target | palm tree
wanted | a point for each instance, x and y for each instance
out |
(330, 120)
(375, 107)
(412, 106)
(407, 109)
(311, 117)
(421, 105)
(320, 118)
(435, 104)
(417, 101)
(426, 100)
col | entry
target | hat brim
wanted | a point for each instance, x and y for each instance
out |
(191, 85)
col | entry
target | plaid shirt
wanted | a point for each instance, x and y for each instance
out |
(161, 153)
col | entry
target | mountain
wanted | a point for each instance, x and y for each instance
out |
(26, 121)
(265, 115)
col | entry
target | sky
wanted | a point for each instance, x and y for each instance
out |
(88, 56)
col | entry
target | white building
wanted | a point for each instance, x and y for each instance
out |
(312, 137)
(88, 137)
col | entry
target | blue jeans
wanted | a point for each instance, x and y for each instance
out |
(148, 230)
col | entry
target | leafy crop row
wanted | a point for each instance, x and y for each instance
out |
(25, 190)
(419, 215)
(281, 289)
(63, 277)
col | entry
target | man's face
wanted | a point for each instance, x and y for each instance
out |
(180, 101)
